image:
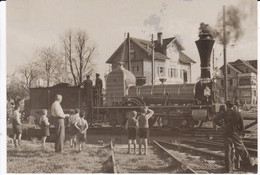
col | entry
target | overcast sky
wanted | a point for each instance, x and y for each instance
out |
(32, 24)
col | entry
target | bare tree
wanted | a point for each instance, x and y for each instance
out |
(50, 63)
(79, 52)
(67, 44)
(30, 73)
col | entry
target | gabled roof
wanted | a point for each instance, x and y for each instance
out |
(232, 67)
(246, 63)
(185, 59)
(145, 45)
(253, 63)
(167, 41)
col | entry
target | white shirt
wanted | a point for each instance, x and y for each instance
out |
(17, 117)
(74, 118)
(56, 110)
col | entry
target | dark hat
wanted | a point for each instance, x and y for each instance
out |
(229, 104)
(97, 74)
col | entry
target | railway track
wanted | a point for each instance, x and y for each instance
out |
(114, 164)
(216, 145)
(194, 160)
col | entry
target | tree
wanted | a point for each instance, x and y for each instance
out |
(79, 52)
(49, 63)
(16, 88)
(30, 73)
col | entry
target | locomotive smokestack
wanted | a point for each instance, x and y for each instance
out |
(204, 45)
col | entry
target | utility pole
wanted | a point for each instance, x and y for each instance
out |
(225, 59)
(128, 55)
(213, 59)
(152, 61)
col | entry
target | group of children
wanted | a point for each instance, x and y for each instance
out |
(77, 128)
(138, 124)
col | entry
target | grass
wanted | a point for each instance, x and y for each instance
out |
(30, 159)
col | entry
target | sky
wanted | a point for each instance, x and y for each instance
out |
(33, 24)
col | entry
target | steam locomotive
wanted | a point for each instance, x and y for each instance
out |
(175, 105)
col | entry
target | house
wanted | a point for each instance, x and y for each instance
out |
(171, 63)
(242, 81)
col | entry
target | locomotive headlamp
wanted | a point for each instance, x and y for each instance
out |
(207, 92)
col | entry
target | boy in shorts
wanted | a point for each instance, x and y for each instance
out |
(44, 124)
(82, 126)
(144, 128)
(72, 129)
(131, 126)
(17, 126)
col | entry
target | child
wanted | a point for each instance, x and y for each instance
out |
(17, 126)
(131, 126)
(44, 124)
(144, 128)
(72, 129)
(82, 126)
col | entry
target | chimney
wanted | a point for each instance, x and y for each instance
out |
(204, 45)
(159, 39)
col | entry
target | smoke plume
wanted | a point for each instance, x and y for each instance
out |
(154, 21)
(233, 22)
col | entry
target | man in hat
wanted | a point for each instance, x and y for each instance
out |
(234, 125)
(88, 90)
(98, 87)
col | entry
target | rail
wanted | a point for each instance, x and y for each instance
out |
(186, 167)
(206, 152)
(115, 169)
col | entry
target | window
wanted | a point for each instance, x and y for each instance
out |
(171, 72)
(185, 76)
(133, 68)
(244, 81)
(161, 71)
(137, 68)
(222, 82)
(132, 55)
(181, 74)
(230, 82)
(228, 70)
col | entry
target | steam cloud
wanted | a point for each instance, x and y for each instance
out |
(233, 23)
(154, 21)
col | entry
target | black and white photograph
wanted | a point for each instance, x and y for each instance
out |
(130, 86)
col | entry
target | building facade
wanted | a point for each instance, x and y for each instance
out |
(242, 81)
(171, 63)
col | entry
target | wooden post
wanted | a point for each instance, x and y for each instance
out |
(225, 59)
(128, 55)
(152, 61)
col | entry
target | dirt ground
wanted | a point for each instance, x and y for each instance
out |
(31, 159)
(153, 162)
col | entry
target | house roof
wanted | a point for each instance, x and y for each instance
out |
(246, 63)
(145, 45)
(252, 64)
(185, 59)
